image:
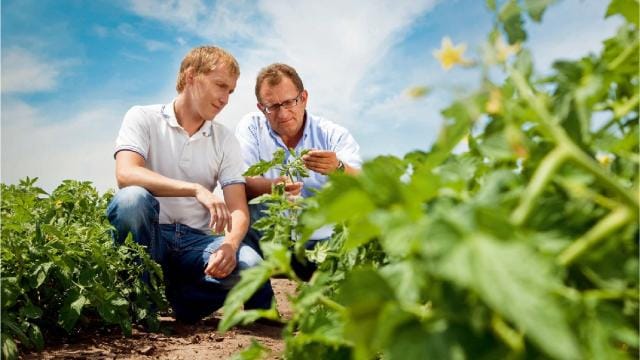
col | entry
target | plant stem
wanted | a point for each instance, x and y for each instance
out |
(625, 108)
(332, 304)
(629, 196)
(510, 337)
(611, 294)
(557, 133)
(541, 178)
(598, 232)
(630, 50)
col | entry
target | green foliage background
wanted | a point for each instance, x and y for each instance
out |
(61, 270)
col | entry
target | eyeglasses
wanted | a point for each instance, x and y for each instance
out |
(287, 104)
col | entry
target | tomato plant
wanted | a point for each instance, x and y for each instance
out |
(524, 245)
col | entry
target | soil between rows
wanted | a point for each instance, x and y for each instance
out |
(199, 341)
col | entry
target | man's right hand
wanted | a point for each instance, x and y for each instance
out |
(220, 215)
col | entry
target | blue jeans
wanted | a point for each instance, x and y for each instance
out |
(183, 253)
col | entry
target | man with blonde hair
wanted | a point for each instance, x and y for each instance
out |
(169, 158)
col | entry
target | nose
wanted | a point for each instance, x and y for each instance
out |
(281, 112)
(224, 99)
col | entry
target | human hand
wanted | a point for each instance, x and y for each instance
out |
(322, 161)
(291, 188)
(222, 261)
(220, 217)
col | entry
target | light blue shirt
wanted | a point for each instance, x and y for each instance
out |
(258, 142)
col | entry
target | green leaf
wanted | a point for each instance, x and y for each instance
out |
(31, 311)
(251, 280)
(71, 309)
(364, 293)
(491, 4)
(407, 279)
(629, 9)
(9, 348)
(254, 351)
(35, 335)
(536, 8)
(517, 284)
(511, 18)
(40, 274)
(411, 340)
(10, 291)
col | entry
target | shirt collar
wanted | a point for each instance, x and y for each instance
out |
(169, 114)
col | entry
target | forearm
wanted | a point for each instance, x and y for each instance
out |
(155, 183)
(240, 225)
(258, 185)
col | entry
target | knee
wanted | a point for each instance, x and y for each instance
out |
(131, 205)
(248, 257)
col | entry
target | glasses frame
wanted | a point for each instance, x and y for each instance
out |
(287, 104)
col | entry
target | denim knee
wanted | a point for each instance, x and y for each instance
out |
(248, 257)
(132, 209)
(131, 205)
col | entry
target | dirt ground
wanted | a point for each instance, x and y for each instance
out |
(199, 341)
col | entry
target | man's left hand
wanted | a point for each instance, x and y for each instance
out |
(322, 161)
(222, 261)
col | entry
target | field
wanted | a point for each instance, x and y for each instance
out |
(200, 341)
(524, 244)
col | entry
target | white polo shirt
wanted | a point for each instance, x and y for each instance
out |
(210, 155)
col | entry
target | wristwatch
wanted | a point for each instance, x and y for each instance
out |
(340, 167)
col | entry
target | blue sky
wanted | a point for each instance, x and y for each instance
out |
(71, 68)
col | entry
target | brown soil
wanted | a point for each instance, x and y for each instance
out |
(199, 341)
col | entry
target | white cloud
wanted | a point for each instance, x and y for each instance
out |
(79, 148)
(338, 46)
(333, 50)
(176, 11)
(221, 19)
(25, 72)
(155, 45)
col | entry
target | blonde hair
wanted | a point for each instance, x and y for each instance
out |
(274, 73)
(204, 59)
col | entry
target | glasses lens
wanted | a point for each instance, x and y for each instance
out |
(290, 103)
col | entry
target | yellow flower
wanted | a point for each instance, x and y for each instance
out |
(504, 50)
(604, 159)
(418, 92)
(494, 105)
(450, 55)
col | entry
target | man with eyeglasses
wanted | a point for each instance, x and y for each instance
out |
(284, 123)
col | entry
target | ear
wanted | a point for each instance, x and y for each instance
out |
(305, 97)
(189, 75)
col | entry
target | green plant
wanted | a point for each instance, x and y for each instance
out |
(293, 169)
(524, 246)
(60, 269)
